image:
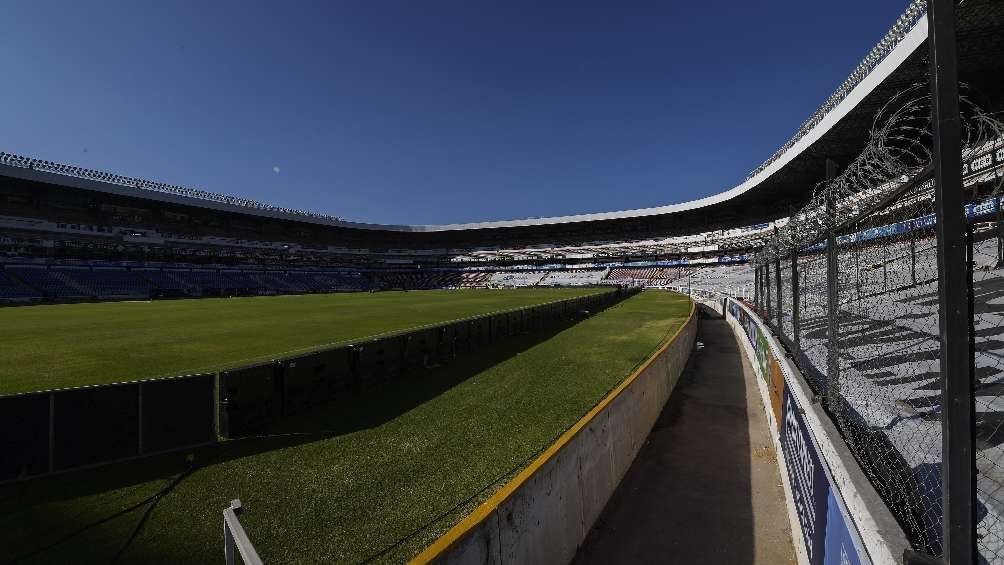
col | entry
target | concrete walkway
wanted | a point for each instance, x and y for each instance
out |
(705, 487)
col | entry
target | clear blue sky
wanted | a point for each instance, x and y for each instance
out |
(426, 111)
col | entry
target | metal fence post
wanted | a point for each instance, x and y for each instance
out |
(780, 296)
(1000, 232)
(52, 432)
(913, 257)
(832, 303)
(954, 311)
(139, 419)
(795, 306)
(857, 272)
(766, 291)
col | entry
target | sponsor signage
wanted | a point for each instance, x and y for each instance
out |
(826, 526)
(809, 487)
(983, 163)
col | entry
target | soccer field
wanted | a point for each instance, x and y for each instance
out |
(377, 476)
(56, 346)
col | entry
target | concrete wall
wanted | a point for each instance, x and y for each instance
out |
(543, 514)
(836, 515)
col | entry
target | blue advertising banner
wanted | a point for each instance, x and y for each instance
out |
(809, 487)
(839, 547)
(826, 527)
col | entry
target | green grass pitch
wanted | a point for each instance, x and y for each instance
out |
(377, 476)
(57, 346)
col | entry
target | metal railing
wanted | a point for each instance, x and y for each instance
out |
(235, 539)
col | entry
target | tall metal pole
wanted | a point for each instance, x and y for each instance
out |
(832, 304)
(954, 311)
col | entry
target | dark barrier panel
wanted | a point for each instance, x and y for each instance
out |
(315, 378)
(95, 424)
(249, 398)
(516, 322)
(378, 360)
(178, 412)
(446, 343)
(421, 348)
(525, 321)
(551, 313)
(460, 334)
(499, 326)
(538, 317)
(480, 332)
(24, 435)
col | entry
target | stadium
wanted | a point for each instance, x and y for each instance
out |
(338, 391)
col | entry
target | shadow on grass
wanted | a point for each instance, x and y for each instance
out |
(49, 533)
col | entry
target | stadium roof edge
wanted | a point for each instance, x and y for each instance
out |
(909, 33)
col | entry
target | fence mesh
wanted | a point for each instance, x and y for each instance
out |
(879, 373)
(813, 318)
(786, 308)
(986, 228)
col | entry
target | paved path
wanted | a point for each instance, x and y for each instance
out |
(705, 487)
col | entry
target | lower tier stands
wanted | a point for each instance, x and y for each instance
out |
(516, 279)
(573, 277)
(13, 291)
(431, 279)
(100, 281)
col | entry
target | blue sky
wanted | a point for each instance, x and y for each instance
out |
(426, 111)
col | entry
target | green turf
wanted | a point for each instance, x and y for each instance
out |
(378, 475)
(56, 346)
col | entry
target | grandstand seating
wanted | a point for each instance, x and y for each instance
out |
(432, 279)
(49, 283)
(573, 278)
(632, 274)
(102, 280)
(516, 278)
(13, 291)
(164, 281)
(109, 283)
(474, 279)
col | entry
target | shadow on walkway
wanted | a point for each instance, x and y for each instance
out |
(705, 487)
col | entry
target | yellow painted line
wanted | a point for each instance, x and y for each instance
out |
(482, 512)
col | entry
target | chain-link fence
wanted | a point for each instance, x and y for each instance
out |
(851, 286)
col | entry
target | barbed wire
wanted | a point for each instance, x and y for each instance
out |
(897, 153)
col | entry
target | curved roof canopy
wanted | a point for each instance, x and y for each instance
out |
(838, 131)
